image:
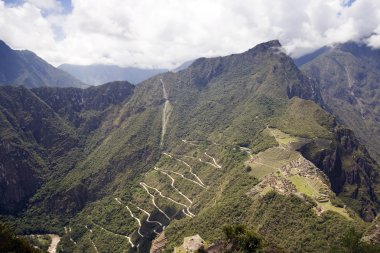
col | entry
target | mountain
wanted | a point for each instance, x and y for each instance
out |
(22, 67)
(239, 139)
(35, 135)
(183, 66)
(99, 74)
(349, 80)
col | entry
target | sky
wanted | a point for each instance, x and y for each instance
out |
(165, 33)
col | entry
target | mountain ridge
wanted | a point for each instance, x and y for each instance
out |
(99, 74)
(23, 67)
(348, 79)
(188, 150)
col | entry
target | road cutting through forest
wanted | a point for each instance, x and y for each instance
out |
(148, 217)
(153, 202)
(113, 233)
(172, 184)
(189, 214)
(183, 176)
(187, 165)
(132, 215)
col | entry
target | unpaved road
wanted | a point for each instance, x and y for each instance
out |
(54, 243)
(153, 200)
(132, 215)
(187, 165)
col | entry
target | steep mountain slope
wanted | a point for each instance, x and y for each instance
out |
(226, 140)
(42, 132)
(22, 67)
(350, 85)
(99, 74)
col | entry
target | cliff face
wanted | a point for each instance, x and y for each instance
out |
(85, 108)
(348, 77)
(352, 172)
(31, 135)
(19, 177)
(42, 135)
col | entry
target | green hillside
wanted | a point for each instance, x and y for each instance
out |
(230, 140)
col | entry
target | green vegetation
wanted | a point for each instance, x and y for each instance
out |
(104, 172)
(351, 242)
(9, 242)
(242, 240)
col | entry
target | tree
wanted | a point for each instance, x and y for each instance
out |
(239, 239)
(351, 243)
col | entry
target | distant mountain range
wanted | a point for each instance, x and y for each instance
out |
(23, 67)
(99, 74)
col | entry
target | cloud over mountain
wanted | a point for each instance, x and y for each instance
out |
(164, 33)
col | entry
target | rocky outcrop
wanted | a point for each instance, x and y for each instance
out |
(159, 243)
(352, 172)
(265, 59)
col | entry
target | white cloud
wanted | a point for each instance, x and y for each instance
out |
(161, 33)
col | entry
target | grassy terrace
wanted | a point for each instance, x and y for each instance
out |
(272, 161)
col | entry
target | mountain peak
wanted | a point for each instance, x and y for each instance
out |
(269, 44)
(24, 67)
(272, 44)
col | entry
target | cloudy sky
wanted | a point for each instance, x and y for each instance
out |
(165, 33)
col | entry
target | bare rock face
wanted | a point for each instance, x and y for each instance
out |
(159, 243)
(373, 234)
(19, 177)
(352, 172)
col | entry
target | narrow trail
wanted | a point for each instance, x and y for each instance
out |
(172, 184)
(187, 165)
(153, 202)
(113, 233)
(92, 242)
(166, 112)
(215, 164)
(189, 214)
(191, 142)
(132, 215)
(194, 142)
(68, 232)
(183, 176)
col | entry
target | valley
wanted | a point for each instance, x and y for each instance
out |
(240, 139)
